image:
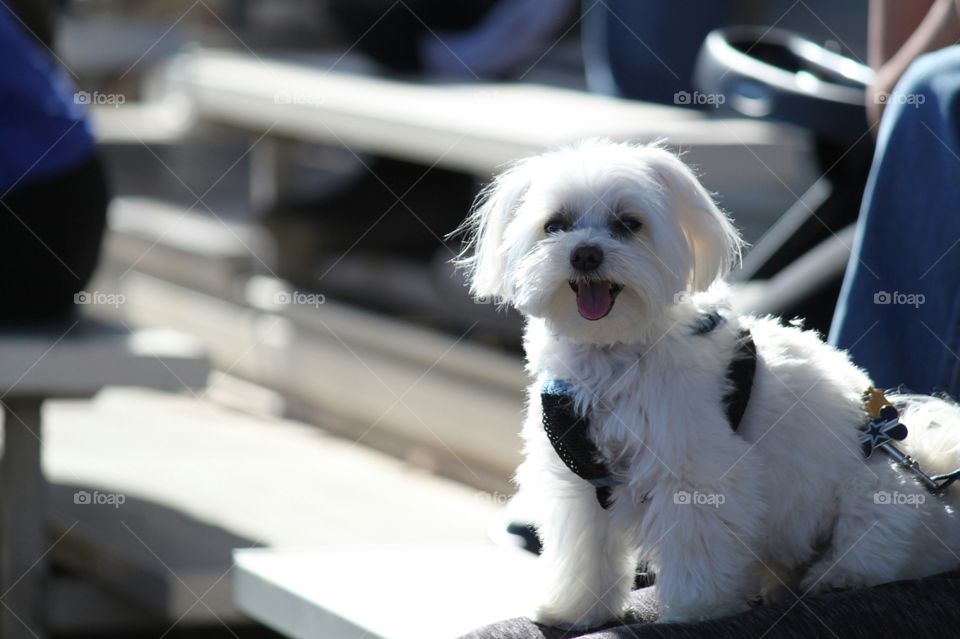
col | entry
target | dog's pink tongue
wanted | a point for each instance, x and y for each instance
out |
(594, 300)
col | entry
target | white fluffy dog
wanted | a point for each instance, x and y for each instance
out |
(615, 253)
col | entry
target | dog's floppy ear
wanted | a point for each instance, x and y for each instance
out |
(484, 255)
(715, 243)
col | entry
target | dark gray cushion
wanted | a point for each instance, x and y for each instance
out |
(910, 608)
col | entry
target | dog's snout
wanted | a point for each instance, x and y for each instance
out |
(586, 258)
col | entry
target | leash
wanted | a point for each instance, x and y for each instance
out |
(569, 433)
(883, 428)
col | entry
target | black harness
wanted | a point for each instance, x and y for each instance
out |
(569, 433)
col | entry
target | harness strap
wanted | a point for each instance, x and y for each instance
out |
(742, 370)
(569, 433)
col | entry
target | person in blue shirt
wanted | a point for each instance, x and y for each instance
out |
(53, 194)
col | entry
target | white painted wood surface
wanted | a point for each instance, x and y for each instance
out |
(475, 127)
(199, 479)
(427, 591)
(757, 167)
(79, 357)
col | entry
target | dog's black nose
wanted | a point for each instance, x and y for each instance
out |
(586, 258)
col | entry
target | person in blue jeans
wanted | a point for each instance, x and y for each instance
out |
(899, 307)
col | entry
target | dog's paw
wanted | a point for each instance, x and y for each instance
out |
(847, 573)
(577, 618)
(820, 582)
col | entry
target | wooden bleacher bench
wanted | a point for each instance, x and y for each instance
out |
(198, 274)
(474, 128)
(73, 360)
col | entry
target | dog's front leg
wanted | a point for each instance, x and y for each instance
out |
(705, 566)
(587, 566)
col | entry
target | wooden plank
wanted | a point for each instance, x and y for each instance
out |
(756, 166)
(475, 127)
(200, 469)
(434, 591)
(461, 400)
(182, 245)
(78, 358)
(154, 123)
(216, 257)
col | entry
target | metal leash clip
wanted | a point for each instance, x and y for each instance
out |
(883, 428)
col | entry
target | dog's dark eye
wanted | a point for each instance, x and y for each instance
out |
(625, 224)
(555, 225)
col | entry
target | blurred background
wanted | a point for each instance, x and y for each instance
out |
(283, 179)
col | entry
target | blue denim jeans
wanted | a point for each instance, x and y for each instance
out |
(899, 308)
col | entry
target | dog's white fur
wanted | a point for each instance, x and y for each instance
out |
(801, 510)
